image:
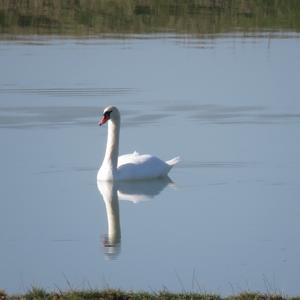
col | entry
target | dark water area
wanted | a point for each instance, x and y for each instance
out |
(143, 16)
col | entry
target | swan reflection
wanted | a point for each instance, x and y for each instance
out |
(134, 191)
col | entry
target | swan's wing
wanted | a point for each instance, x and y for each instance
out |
(138, 159)
(135, 166)
(128, 158)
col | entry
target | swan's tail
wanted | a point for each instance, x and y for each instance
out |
(173, 161)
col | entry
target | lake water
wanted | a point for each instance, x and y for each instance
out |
(228, 218)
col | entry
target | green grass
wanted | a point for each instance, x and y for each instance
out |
(114, 294)
(72, 17)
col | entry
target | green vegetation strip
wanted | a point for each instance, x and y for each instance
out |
(111, 294)
(72, 17)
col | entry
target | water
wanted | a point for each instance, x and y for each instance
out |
(228, 219)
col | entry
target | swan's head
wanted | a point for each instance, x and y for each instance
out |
(110, 113)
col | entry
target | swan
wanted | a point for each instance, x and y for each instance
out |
(132, 166)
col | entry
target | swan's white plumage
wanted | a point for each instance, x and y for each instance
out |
(132, 166)
(136, 166)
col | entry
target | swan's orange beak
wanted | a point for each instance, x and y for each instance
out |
(103, 120)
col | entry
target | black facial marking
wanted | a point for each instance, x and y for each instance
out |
(107, 113)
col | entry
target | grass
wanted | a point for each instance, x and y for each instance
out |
(115, 294)
(147, 16)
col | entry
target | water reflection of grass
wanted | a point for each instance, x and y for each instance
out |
(37, 293)
(145, 16)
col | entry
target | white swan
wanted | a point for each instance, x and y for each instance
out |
(130, 166)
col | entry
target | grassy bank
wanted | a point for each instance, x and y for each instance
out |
(36, 294)
(74, 17)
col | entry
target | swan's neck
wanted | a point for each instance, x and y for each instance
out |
(112, 146)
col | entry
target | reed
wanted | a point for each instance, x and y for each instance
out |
(115, 294)
(78, 17)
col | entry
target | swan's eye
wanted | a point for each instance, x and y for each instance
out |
(107, 114)
(105, 118)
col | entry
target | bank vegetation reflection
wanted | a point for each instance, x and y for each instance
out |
(133, 191)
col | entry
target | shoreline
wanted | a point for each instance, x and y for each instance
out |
(38, 293)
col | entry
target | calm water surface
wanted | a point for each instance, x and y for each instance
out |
(227, 220)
